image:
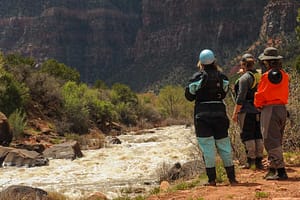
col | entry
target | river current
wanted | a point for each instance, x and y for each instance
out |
(134, 164)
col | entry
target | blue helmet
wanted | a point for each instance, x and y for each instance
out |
(206, 57)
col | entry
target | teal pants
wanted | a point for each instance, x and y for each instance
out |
(210, 146)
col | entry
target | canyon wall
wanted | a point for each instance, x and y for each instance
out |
(143, 43)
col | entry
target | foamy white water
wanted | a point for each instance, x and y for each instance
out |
(132, 164)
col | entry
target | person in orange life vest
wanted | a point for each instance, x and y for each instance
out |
(271, 98)
(208, 87)
(246, 114)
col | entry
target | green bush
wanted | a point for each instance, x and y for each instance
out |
(172, 103)
(60, 70)
(121, 93)
(100, 111)
(13, 95)
(126, 102)
(127, 113)
(18, 60)
(45, 89)
(291, 137)
(75, 107)
(17, 121)
(83, 105)
(100, 84)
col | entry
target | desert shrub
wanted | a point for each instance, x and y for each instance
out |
(234, 130)
(121, 93)
(100, 84)
(291, 135)
(83, 105)
(45, 90)
(20, 67)
(100, 111)
(172, 103)
(18, 122)
(18, 60)
(60, 70)
(297, 64)
(148, 114)
(13, 94)
(126, 102)
(75, 108)
(127, 114)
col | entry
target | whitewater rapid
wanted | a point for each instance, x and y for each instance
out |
(134, 164)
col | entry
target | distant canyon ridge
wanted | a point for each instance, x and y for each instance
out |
(143, 43)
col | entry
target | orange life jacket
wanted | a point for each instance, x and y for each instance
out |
(269, 93)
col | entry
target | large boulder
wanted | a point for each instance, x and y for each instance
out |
(5, 132)
(19, 192)
(31, 147)
(67, 150)
(21, 157)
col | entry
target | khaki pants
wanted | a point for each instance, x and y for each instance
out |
(273, 119)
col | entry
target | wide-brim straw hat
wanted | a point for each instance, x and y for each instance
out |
(270, 53)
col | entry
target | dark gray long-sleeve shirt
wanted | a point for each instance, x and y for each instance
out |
(245, 84)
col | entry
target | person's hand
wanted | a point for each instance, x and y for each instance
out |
(235, 117)
(259, 109)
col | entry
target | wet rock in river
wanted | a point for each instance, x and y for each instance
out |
(21, 157)
(67, 150)
(19, 192)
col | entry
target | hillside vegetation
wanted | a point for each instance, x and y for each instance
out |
(52, 91)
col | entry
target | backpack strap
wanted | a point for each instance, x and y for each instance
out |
(256, 78)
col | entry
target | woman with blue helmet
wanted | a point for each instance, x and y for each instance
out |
(208, 87)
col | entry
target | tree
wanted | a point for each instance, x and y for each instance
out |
(123, 93)
(75, 106)
(126, 102)
(17, 59)
(100, 84)
(13, 95)
(60, 70)
(171, 100)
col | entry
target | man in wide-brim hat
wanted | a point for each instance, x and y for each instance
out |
(271, 98)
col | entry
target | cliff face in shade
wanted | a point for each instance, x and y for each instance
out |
(142, 42)
(89, 35)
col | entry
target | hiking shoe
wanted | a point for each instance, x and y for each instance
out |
(250, 164)
(282, 175)
(211, 183)
(233, 182)
(271, 175)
